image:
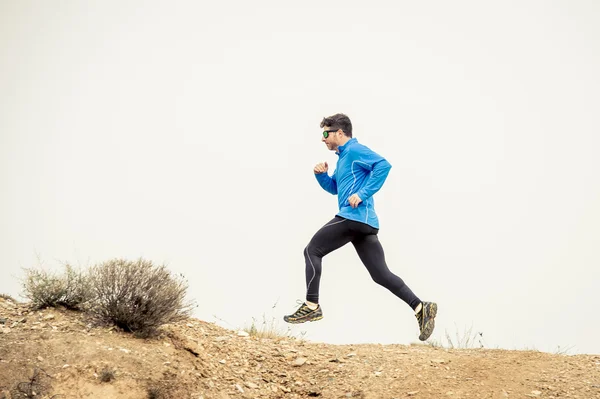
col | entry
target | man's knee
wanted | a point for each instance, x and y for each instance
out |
(311, 250)
(384, 279)
(378, 279)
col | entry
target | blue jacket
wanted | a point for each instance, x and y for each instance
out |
(361, 171)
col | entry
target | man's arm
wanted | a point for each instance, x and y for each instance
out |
(328, 183)
(379, 168)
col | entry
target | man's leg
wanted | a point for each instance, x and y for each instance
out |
(371, 253)
(333, 235)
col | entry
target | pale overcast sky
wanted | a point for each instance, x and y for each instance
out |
(186, 133)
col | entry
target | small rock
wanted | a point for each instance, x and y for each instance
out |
(221, 338)
(41, 359)
(242, 333)
(351, 354)
(4, 330)
(299, 361)
(222, 361)
(189, 325)
(412, 393)
(66, 366)
(251, 385)
(536, 393)
(438, 361)
(239, 388)
(49, 317)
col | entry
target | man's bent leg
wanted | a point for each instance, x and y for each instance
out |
(371, 253)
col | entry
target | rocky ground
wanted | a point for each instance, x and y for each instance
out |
(61, 354)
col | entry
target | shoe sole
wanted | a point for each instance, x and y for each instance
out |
(303, 320)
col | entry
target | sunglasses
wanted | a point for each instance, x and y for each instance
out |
(326, 132)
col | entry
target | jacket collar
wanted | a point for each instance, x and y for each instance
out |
(345, 146)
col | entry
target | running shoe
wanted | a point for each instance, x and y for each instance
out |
(426, 319)
(304, 314)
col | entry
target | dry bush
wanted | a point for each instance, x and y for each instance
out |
(107, 375)
(169, 388)
(137, 296)
(465, 340)
(156, 393)
(70, 289)
(37, 385)
(271, 329)
(468, 339)
(8, 297)
(267, 329)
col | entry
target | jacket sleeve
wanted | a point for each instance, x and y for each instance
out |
(328, 183)
(378, 167)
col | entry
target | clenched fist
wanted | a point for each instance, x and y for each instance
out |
(321, 167)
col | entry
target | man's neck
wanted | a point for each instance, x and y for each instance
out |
(345, 140)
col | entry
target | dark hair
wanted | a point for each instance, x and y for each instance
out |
(338, 121)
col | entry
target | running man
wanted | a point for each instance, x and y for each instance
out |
(359, 174)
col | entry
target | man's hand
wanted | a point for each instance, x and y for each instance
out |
(354, 200)
(321, 167)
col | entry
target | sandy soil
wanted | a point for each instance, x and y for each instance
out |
(61, 354)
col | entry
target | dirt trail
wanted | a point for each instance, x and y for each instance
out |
(60, 354)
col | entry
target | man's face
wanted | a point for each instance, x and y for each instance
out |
(332, 141)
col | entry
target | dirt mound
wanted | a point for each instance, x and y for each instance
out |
(57, 353)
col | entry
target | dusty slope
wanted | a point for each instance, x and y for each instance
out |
(197, 359)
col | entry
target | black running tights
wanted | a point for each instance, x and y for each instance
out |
(337, 233)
